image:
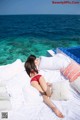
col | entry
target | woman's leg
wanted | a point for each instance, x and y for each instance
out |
(52, 106)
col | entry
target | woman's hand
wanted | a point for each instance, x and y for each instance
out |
(50, 86)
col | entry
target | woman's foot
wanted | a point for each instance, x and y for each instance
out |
(58, 113)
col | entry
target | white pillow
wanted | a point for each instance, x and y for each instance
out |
(16, 95)
(52, 75)
(5, 105)
(10, 70)
(2, 89)
(56, 62)
(3, 92)
(46, 62)
(61, 91)
(14, 88)
(4, 96)
(76, 84)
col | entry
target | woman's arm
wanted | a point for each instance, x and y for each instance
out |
(44, 86)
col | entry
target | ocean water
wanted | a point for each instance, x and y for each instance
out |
(22, 35)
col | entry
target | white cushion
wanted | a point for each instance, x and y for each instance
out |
(4, 96)
(52, 75)
(2, 89)
(61, 91)
(14, 88)
(16, 95)
(3, 92)
(5, 105)
(76, 84)
(10, 70)
(46, 62)
(2, 84)
(56, 62)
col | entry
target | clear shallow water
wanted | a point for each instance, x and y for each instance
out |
(23, 35)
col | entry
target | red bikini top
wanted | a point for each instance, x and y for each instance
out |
(36, 78)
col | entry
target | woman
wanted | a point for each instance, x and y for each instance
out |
(39, 83)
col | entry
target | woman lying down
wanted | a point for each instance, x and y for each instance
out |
(40, 84)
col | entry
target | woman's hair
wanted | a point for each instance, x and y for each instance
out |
(30, 66)
(31, 58)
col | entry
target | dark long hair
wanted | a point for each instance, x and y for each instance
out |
(30, 66)
(31, 58)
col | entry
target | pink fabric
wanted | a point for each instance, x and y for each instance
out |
(72, 71)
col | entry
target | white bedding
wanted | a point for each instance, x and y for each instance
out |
(27, 104)
(32, 110)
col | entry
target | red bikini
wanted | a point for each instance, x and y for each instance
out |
(36, 78)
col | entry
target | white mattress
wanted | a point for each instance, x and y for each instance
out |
(27, 110)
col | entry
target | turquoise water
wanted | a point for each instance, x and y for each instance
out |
(23, 35)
